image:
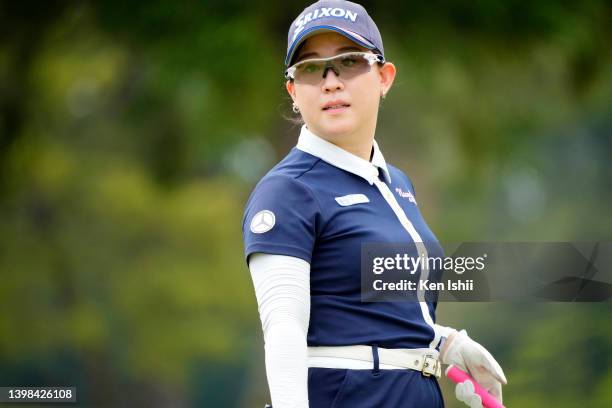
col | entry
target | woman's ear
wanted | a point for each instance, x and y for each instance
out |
(387, 75)
(290, 89)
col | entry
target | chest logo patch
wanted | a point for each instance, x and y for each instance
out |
(352, 199)
(263, 221)
(405, 194)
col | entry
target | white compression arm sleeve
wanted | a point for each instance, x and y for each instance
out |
(282, 288)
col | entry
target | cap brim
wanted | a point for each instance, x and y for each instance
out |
(356, 38)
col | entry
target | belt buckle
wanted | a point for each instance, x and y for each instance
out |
(430, 365)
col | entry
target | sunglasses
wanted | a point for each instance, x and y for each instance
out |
(348, 65)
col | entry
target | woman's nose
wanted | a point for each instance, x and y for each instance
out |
(331, 80)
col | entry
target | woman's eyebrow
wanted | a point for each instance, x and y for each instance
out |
(314, 54)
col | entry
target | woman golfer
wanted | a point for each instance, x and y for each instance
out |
(306, 221)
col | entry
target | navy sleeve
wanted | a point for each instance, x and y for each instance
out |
(280, 218)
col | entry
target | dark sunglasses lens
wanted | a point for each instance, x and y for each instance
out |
(352, 65)
(309, 72)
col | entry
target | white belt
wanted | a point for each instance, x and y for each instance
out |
(425, 360)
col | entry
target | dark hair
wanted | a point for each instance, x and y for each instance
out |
(290, 116)
(297, 52)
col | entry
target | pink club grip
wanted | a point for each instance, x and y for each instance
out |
(457, 375)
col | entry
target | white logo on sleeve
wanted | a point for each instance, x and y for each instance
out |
(263, 221)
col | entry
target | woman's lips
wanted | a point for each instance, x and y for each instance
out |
(337, 108)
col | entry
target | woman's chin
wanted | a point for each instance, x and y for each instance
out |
(338, 126)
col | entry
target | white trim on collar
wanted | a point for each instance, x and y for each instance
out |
(336, 156)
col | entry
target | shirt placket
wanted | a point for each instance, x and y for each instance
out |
(416, 238)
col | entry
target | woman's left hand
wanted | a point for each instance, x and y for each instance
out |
(460, 350)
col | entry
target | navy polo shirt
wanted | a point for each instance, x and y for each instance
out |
(320, 203)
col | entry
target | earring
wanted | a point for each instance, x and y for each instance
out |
(382, 95)
(295, 108)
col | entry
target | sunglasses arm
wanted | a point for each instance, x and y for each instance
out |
(290, 73)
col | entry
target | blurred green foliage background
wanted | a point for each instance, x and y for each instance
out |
(131, 134)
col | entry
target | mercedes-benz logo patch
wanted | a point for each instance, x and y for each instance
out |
(263, 221)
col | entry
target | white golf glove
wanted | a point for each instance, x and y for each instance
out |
(459, 349)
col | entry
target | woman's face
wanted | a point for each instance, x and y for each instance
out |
(361, 92)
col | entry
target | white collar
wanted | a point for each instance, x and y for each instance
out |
(338, 157)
